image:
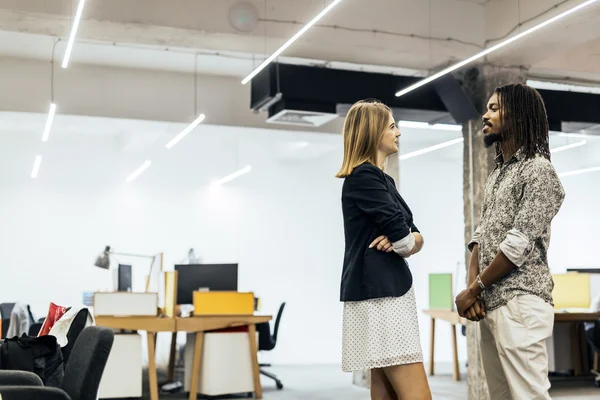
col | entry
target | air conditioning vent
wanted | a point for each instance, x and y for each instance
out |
(301, 118)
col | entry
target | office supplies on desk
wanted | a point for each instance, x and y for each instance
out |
(223, 303)
(124, 304)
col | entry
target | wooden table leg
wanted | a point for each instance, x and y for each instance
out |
(196, 365)
(152, 378)
(432, 348)
(172, 357)
(596, 361)
(254, 358)
(456, 372)
(576, 350)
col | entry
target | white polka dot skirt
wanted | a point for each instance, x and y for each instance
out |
(381, 333)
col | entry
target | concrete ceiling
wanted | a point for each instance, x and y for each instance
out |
(406, 36)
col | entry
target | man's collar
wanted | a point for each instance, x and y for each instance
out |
(518, 156)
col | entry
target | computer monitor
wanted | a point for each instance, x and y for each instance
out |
(124, 278)
(215, 277)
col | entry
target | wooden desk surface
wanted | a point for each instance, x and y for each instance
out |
(213, 322)
(179, 324)
(453, 317)
(576, 317)
(446, 315)
(150, 324)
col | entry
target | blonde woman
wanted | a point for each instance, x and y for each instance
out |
(380, 328)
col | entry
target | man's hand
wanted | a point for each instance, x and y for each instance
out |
(464, 301)
(383, 244)
(477, 311)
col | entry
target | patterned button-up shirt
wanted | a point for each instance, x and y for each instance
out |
(521, 198)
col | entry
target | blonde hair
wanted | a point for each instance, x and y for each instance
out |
(363, 129)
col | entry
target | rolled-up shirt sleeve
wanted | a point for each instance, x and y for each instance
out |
(475, 239)
(404, 246)
(542, 197)
(371, 196)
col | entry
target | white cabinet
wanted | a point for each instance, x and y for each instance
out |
(226, 366)
(122, 375)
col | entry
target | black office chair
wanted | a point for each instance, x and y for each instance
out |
(592, 334)
(5, 311)
(267, 342)
(82, 377)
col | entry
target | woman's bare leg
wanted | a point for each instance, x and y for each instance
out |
(381, 388)
(409, 381)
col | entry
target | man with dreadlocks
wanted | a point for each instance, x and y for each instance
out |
(510, 285)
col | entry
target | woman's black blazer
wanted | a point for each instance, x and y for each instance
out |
(371, 207)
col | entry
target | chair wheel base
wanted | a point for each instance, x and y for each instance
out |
(279, 385)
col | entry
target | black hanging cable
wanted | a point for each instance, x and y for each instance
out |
(196, 85)
(52, 71)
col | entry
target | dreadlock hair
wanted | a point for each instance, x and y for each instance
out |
(524, 120)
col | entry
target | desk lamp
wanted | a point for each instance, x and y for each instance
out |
(103, 261)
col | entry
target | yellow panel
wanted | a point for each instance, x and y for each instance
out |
(170, 293)
(223, 303)
(571, 290)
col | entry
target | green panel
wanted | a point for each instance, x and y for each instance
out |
(440, 292)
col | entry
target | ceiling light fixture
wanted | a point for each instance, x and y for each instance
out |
(49, 120)
(231, 177)
(184, 132)
(431, 148)
(74, 28)
(36, 167)
(425, 125)
(568, 146)
(138, 171)
(579, 172)
(577, 135)
(447, 127)
(493, 48)
(290, 41)
(565, 87)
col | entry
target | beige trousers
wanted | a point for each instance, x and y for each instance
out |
(513, 349)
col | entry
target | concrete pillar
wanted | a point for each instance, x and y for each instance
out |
(478, 162)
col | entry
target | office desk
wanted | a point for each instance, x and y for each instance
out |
(578, 346)
(196, 324)
(201, 324)
(454, 319)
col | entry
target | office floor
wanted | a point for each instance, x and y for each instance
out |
(329, 383)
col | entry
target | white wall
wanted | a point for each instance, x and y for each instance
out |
(432, 187)
(281, 222)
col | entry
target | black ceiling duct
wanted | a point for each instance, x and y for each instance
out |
(311, 96)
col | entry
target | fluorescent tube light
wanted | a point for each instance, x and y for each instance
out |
(493, 48)
(413, 124)
(49, 120)
(138, 171)
(447, 127)
(577, 135)
(565, 87)
(36, 167)
(65, 62)
(425, 125)
(231, 177)
(430, 149)
(568, 146)
(579, 171)
(184, 132)
(290, 41)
